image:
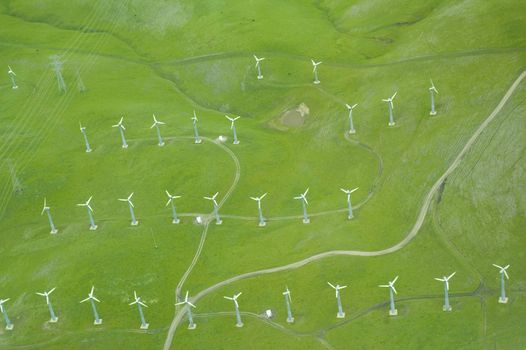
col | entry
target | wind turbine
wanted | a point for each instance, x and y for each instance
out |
(432, 91)
(503, 299)
(391, 107)
(197, 139)
(92, 226)
(315, 70)
(83, 131)
(258, 66)
(12, 75)
(390, 285)
(348, 192)
(139, 303)
(54, 318)
(261, 218)
(233, 127)
(8, 325)
(288, 301)
(175, 219)
(337, 288)
(121, 130)
(134, 222)
(351, 125)
(191, 324)
(445, 279)
(304, 202)
(156, 124)
(92, 300)
(47, 210)
(238, 315)
(216, 208)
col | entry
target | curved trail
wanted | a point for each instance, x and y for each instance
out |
(412, 233)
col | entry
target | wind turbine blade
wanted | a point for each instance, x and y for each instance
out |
(394, 290)
(122, 199)
(305, 199)
(89, 200)
(263, 196)
(506, 267)
(313, 63)
(237, 295)
(330, 284)
(506, 274)
(92, 289)
(51, 291)
(215, 195)
(306, 191)
(135, 295)
(130, 196)
(355, 189)
(439, 279)
(453, 274)
(497, 266)
(97, 300)
(394, 95)
(209, 198)
(341, 287)
(393, 282)
(298, 197)
(129, 201)
(348, 106)
(344, 190)
(383, 285)
(169, 201)
(120, 121)
(192, 305)
(356, 104)
(153, 125)
(42, 294)
(180, 303)
(90, 208)
(143, 304)
(186, 296)
(133, 302)
(229, 298)
(254, 198)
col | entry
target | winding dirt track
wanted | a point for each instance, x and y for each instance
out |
(412, 233)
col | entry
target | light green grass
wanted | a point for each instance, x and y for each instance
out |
(169, 58)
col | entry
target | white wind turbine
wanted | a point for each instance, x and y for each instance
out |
(83, 131)
(445, 279)
(92, 300)
(390, 285)
(337, 288)
(391, 107)
(348, 192)
(260, 211)
(46, 209)
(315, 70)
(216, 208)
(239, 323)
(12, 75)
(191, 324)
(432, 91)
(288, 301)
(304, 202)
(134, 221)
(503, 299)
(233, 127)
(8, 325)
(156, 124)
(351, 125)
(258, 66)
(139, 303)
(121, 128)
(92, 226)
(197, 139)
(54, 318)
(175, 219)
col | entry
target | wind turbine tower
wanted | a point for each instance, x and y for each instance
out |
(47, 209)
(233, 127)
(503, 299)
(156, 124)
(121, 128)
(216, 208)
(315, 70)
(349, 205)
(92, 226)
(8, 325)
(260, 211)
(351, 125)
(175, 219)
(304, 202)
(391, 107)
(445, 279)
(189, 305)
(57, 67)
(390, 285)
(432, 91)
(288, 301)
(92, 300)
(139, 303)
(239, 323)
(337, 288)
(258, 66)
(134, 221)
(197, 139)
(54, 318)
(12, 76)
(83, 131)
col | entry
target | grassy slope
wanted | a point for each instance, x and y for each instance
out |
(136, 72)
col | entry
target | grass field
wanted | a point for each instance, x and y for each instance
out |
(170, 58)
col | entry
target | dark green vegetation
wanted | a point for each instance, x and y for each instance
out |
(169, 58)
